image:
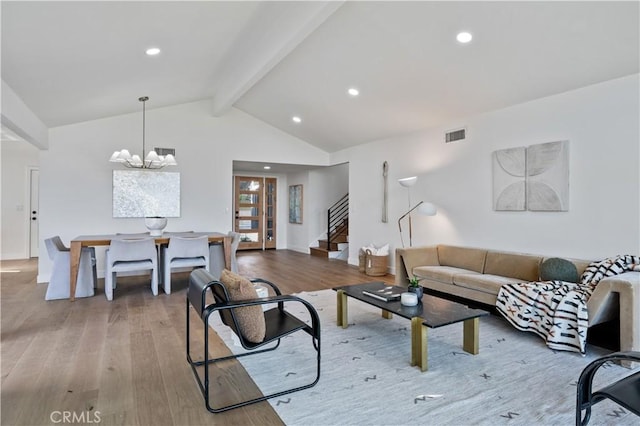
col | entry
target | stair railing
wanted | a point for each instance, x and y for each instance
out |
(337, 218)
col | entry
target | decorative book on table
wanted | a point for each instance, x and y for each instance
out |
(386, 294)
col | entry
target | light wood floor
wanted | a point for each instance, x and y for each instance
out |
(126, 359)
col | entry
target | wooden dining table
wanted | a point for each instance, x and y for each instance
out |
(104, 240)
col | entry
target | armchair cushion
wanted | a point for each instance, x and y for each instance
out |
(250, 319)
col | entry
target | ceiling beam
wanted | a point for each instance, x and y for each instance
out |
(17, 117)
(277, 29)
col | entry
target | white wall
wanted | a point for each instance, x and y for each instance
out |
(298, 233)
(321, 188)
(76, 177)
(326, 187)
(17, 158)
(600, 121)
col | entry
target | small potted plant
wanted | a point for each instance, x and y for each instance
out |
(414, 287)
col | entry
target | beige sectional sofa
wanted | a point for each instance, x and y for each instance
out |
(477, 274)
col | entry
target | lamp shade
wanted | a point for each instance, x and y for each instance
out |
(427, 209)
(409, 181)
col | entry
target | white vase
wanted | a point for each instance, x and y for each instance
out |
(155, 225)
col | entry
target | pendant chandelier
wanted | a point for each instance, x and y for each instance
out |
(152, 160)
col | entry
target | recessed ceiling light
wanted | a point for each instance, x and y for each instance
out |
(152, 51)
(353, 91)
(464, 37)
(267, 167)
(296, 119)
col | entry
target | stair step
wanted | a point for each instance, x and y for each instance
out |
(319, 252)
(334, 246)
(336, 239)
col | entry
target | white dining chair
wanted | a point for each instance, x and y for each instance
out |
(60, 255)
(216, 256)
(130, 254)
(184, 252)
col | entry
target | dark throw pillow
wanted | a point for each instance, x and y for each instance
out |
(556, 269)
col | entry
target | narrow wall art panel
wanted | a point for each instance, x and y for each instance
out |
(509, 174)
(548, 177)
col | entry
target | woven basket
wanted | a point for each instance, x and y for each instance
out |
(375, 266)
(362, 256)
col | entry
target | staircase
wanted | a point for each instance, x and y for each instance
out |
(337, 240)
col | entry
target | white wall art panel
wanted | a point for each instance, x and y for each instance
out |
(548, 177)
(509, 168)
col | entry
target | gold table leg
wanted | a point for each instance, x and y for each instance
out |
(386, 314)
(471, 336)
(419, 347)
(342, 309)
(75, 252)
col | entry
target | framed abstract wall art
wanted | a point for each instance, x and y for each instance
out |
(534, 178)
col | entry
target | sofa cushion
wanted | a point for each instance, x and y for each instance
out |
(522, 266)
(486, 283)
(250, 318)
(443, 274)
(556, 269)
(462, 257)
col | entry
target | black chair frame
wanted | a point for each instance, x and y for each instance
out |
(625, 392)
(279, 323)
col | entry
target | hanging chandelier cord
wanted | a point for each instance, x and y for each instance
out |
(144, 100)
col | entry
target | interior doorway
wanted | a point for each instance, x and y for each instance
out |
(255, 212)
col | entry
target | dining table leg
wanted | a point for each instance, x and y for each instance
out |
(76, 250)
(227, 252)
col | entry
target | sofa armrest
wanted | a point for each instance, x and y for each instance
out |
(602, 306)
(410, 257)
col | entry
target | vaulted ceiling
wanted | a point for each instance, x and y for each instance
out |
(76, 61)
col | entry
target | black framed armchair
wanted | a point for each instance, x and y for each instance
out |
(278, 323)
(625, 392)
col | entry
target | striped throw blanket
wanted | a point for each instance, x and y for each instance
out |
(557, 310)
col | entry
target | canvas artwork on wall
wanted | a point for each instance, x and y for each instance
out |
(138, 193)
(295, 203)
(534, 178)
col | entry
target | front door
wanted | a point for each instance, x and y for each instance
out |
(249, 211)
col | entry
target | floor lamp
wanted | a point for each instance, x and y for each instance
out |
(407, 183)
(425, 209)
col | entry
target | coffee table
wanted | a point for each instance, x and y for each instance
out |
(433, 312)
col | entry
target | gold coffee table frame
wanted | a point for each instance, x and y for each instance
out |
(419, 325)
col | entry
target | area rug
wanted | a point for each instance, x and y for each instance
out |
(366, 378)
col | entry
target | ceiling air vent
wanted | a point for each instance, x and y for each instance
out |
(165, 151)
(455, 135)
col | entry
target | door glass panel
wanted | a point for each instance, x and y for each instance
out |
(248, 211)
(248, 224)
(249, 185)
(249, 237)
(249, 198)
